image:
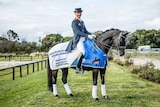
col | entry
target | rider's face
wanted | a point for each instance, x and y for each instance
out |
(78, 14)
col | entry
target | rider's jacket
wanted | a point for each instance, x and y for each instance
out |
(79, 30)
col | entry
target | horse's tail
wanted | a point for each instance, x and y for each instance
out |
(49, 77)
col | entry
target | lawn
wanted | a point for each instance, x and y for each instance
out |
(124, 90)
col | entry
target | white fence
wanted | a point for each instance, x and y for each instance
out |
(152, 51)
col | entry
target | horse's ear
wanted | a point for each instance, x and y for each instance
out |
(125, 33)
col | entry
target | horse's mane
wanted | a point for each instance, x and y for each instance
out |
(108, 30)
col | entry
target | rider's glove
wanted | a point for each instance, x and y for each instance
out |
(91, 36)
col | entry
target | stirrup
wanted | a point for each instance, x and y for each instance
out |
(79, 70)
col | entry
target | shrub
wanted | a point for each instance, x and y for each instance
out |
(135, 70)
(128, 62)
(118, 61)
(146, 71)
(157, 76)
(110, 57)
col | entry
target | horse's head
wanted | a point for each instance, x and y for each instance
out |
(119, 42)
(115, 38)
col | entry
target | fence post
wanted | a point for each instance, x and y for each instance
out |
(20, 71)
(45, 63)
(37, 66)
(27, 68)
(41, 65)
(13, 76)
(33, 67)
(31, 58)
(9, 58)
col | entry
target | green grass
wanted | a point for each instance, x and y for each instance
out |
(9, 77)
(124, 90)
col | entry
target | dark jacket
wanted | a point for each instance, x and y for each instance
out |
(79, 30)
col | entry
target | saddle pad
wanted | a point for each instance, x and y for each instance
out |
(94, 57)
(59, 58)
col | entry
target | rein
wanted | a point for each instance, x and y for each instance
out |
(103, 44)
(107, 46)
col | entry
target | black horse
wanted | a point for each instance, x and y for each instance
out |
(110, 38)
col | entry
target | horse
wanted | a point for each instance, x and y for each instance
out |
(110, 38)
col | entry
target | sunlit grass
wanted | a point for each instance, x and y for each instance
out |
(124, 90)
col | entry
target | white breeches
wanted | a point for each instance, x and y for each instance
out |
(80, 45)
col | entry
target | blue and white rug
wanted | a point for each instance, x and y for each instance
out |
(59, 58)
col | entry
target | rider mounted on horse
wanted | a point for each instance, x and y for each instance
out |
(80, 34)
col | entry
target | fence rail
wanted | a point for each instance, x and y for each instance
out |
(153, 52)
(20, 68)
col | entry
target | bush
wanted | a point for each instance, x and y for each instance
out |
(119, 62)
(110, 56)
(135, 70)
(146, 72)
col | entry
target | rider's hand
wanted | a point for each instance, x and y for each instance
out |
(91, 36)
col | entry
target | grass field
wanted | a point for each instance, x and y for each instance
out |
(124, 90)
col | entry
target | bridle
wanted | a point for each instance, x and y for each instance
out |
(119, 41)
(107, 46)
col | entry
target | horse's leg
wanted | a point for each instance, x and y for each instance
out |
(64, 80)
(50, 87)
(103, 86)
(94, 88)
(54, 82)
(52, 79)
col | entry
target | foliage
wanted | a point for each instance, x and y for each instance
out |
(12, 35)
(124, 90)
(7, 46)
(119, 62)
(128, 61)
(144, 37)
(52, 39)
(9, 43)
(110, 56)
(67, 39)
(146, 71)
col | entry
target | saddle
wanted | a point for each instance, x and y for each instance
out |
(94, 57)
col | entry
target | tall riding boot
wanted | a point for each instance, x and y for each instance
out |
(79, 68)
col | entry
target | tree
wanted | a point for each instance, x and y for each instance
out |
(12, 35)
(67, 39)
(144, 37)
(23, 45)
(50, 40)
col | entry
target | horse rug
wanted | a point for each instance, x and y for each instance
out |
(94, 57)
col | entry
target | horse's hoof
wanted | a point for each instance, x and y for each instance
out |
(96, 99)
(71, 95)
(57, 96)
(106, 97)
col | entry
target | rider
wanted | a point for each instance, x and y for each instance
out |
(80, 33)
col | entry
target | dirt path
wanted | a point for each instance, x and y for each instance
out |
(5, 64)
(142, 61)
